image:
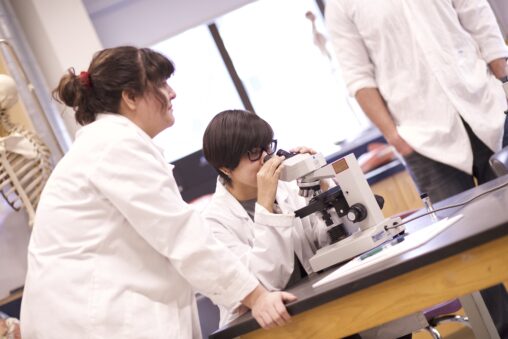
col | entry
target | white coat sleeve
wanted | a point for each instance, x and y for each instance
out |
(142, 189)
(350, 50)
(270, 256)
(477, 18)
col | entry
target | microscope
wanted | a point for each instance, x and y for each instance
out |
(350, 210)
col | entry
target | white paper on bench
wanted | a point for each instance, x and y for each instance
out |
(410, 242)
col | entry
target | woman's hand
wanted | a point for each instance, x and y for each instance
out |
(267, 180)
(268, 307)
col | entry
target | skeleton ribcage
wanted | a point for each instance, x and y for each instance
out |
(22, 177)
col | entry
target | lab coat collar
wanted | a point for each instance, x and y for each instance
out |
(126, 121)
(114, 117)
(222, 193)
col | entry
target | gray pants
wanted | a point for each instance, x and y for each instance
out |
(441, 181)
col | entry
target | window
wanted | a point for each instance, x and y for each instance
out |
(292, 84)
(203, 89)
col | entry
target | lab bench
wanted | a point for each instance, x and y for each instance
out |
(470, 255)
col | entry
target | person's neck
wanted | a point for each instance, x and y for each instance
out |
(242, 192)
(137, 120)
(141, 124)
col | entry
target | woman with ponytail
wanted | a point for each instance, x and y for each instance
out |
(115, 252)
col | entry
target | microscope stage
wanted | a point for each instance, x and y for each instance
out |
(354, 245)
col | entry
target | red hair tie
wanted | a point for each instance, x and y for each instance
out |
(84, 77)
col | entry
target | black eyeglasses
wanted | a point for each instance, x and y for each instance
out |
(256, 153)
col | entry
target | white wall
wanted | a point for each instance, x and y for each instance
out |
(61, 35)
(146, 22)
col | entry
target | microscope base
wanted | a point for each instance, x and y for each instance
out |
(354, 245)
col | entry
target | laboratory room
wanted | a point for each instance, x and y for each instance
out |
(253, 169)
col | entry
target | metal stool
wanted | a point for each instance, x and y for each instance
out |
(499, 162)
(440, 314)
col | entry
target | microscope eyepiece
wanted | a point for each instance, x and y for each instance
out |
(286, 154)
(280, 153)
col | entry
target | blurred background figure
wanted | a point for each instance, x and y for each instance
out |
(318, 37)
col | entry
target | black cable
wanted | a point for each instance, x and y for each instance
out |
(449, 206)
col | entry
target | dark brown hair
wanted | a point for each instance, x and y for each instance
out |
(230, 135)
(113, 70)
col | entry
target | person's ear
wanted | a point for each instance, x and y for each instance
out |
(225, 171)
(129, 98)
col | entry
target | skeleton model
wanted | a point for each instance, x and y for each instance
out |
(24, 159)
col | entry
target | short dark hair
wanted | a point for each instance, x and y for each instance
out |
(113, 70)
(230, 135)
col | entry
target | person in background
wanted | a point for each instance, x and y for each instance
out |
(318, 38)
(252, 212)
(115, 252)
(429, 75)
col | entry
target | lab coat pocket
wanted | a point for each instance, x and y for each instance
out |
(152, 319)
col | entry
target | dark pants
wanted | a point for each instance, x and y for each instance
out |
(441, 181)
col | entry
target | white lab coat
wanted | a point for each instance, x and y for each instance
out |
(115, 252)
(428, 58)
(268, 244)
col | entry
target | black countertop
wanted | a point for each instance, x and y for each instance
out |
(485, 219)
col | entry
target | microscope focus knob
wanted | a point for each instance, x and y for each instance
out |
(357, 213)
